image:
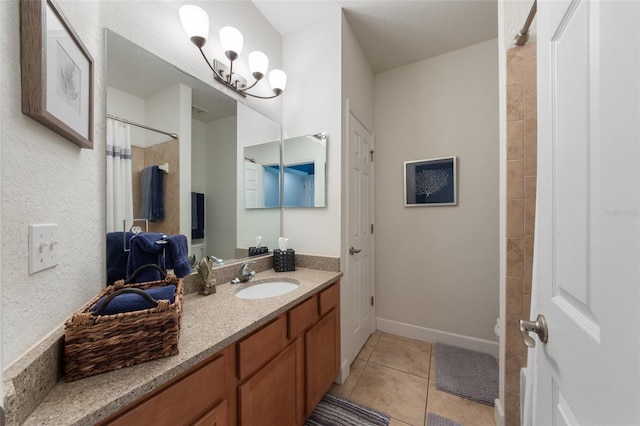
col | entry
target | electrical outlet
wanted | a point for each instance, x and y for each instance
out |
(43, 247)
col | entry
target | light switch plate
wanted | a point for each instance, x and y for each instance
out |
(43, 247)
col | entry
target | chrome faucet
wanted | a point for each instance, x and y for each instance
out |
(216, 260)
(245, 274)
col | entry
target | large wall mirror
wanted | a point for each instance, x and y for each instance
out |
(203, 178)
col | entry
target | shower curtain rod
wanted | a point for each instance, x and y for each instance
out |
(523, 35)
(124, 120)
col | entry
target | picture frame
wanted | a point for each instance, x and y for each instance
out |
(430, 182)
(57, 73)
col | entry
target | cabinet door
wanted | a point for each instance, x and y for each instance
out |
(182, 402)
(274, 395)
(217, 416)
(322, 351)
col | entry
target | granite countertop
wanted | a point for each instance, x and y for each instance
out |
(208, 324)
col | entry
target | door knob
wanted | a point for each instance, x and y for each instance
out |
(353, 251)
(540, 328)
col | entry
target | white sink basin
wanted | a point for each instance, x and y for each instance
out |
(266, 289)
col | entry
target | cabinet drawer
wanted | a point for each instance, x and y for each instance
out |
(182, 402)
(303, 316)
(217, 416)
(329, 298)
(259, 348)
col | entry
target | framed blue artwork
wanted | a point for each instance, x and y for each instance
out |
(430, 182)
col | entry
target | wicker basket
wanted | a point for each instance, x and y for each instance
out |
(95, 344)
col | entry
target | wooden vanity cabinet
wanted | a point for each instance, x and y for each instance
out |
(285, 390)
(322, 348)
(196, 397)
(274, 396)
(217, 416)
(273, 377)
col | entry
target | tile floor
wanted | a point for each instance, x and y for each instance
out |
(396, 375)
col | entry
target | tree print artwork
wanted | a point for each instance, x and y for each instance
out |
(429, 182)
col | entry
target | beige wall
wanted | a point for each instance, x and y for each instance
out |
(522, 124)
(437, 267)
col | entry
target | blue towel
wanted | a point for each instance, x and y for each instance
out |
(177, 257)
(144, 251)
(172, 255)
(152, 200)
(129, 302)
(117, 258)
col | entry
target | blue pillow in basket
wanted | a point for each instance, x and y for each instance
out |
(129, 302)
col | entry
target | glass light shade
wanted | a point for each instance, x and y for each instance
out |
(195, 22)
(258, 64)
(231, 40)
(278, 80)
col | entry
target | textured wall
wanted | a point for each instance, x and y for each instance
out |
(46, 178)
(437, 267)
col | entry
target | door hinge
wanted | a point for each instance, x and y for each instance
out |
(372, 228)
(371, 152)
(372, 303)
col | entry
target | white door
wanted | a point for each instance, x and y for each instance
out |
(360, 206)
(253, 185)
(587, 256)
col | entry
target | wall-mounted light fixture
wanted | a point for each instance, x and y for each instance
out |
(196, 24)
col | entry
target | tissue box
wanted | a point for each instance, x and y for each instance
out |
(284, 260)
(255, 251)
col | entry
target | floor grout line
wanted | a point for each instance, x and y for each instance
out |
(397, 369)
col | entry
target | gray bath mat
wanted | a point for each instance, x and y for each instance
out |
(335, 411)
(469, 374)
(436, 420)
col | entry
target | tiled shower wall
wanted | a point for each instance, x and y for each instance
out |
(166, 152)
(522, 137)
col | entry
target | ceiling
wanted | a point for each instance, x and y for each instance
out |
(393, 33)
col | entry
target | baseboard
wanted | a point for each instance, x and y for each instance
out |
(343, 374)
(437, 336)
(498, 413)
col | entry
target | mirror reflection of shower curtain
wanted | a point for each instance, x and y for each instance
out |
(119, 178)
